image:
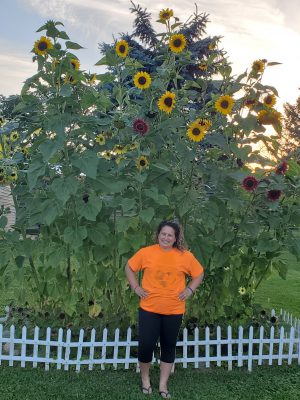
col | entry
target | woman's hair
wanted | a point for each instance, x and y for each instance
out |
(179, 242)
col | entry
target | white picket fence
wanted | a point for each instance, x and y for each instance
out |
(275, 346)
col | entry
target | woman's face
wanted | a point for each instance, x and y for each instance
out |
(166, 238)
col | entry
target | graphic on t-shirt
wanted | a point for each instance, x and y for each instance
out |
(165, 278)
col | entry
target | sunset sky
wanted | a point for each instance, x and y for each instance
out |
(251, 30)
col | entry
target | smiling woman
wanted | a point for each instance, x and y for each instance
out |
(163, 293)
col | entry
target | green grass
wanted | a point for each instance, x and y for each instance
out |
(278, 293)
(264, 383)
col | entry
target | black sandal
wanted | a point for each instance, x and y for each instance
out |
(145, 390)
(165, 395)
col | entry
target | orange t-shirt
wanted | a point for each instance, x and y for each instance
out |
(164, 277)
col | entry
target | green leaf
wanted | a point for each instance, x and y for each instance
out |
(75, 236)
(50, 210)
(99, 234)
(3, 221)
(66, 90)
(124, 246)
(35, 170)
(102, 61)
(89, 210)
(19, 260)
(107, 185)
(50, 146)
(147, 214)
(86, 162)
(63, 35)
(158, 198)
(64, 187)
(73, 45)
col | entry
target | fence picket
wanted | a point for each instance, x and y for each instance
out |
(250, 349)
(196, 347)
(240, 347)
(12, 346)
(92, 349)
(59, 347)
(281, 341)
(23, 346)
(79, 349)
(218, 346)
(261, 345)
(116, 347)
(35, 346)
(103, 351)
(67, 350)
(291, 345)
(271, 345)
(1, 341)
(229, 347)
(184, 347)
(48, 341)
(127, 351)
(207, 349)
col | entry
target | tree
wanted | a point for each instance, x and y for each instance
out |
(292, 127)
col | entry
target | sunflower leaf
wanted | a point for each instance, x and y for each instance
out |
(270, 64)
(63, 35)
(73, 45)
(42, 28)
(103, 61)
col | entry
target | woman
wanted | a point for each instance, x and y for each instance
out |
(162, 298)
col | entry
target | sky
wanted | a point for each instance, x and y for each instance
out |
(250, 30)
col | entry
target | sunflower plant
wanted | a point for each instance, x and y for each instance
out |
(154, 137)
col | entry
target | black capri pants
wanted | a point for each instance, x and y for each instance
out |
(153, 326)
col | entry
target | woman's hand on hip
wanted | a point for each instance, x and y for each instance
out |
(185, 294)
(142, 293)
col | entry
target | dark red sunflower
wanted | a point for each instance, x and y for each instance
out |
(282, 168)
(141, 127)
(274, 194)
(250, 183)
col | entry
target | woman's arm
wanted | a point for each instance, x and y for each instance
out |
(190, 289)
(131, 276)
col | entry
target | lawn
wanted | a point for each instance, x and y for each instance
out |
(265, 383)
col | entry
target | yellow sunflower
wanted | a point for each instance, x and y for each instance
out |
(269, 117)
(269, 100)
(14, 136)
(122, 48)
(119, 149)
(177, 43)
(242, 290)
(203, 66)
(100, 139)
(258, 66)
(42, 46)
(13, 176)
(142, 80)
(91, 79)
(166, 102)
(166, 14)
(197, 129)
(69, 79)
(212, 45)
(75, 63)
(224, 104)
(107, 154)
(142, 163)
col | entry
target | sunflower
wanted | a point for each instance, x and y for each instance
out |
(177, 43)
(119, 159)
(100, 139)
(258, 66)
(269, 117)
(119, 149)
(242, 290)
(141, 127)
(250, 183)
(91, 79)
(224, 104)
(282, 168)
(24, 151)
(14, 136)
(250, 103)
(2, 179)
(165, 15)
(142, 80)
(269, 100)
(166, 102)
(13, 176)
(122, 48)
(75, 63)
(42, 46)
(107, 154)
(69, 79)
(212, 45)
(197, 129)
(274, 194)
(203, 66)
(142, 163)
